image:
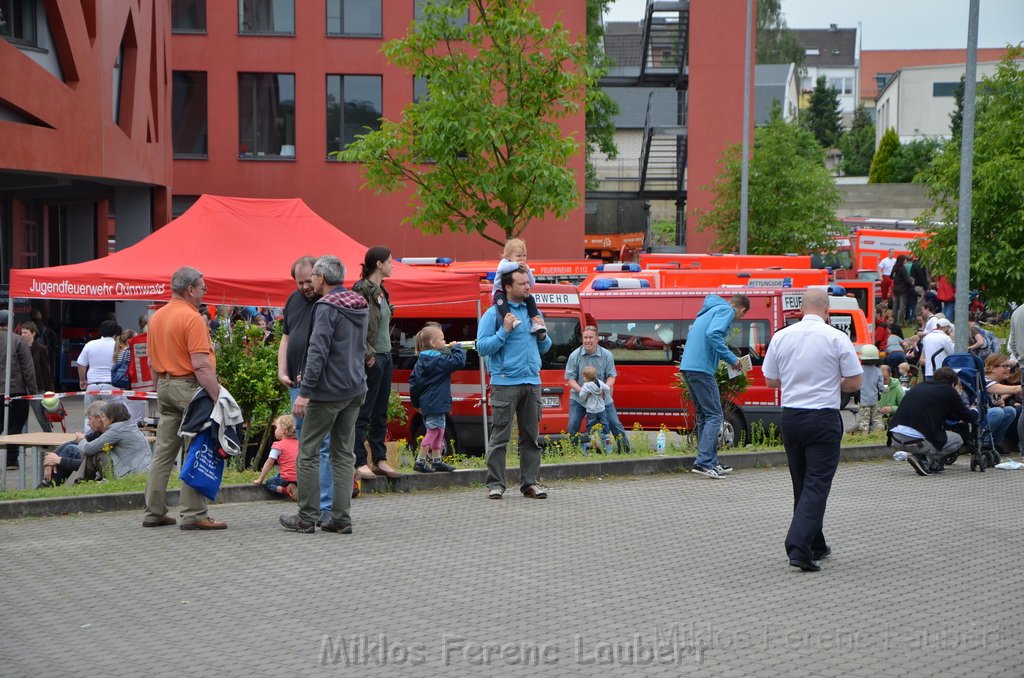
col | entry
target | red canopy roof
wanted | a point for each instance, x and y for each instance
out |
(245, 248)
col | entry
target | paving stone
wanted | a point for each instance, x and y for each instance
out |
(659, 575)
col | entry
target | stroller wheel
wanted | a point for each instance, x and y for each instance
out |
(982, 462)
(974, 464)
(949, 460)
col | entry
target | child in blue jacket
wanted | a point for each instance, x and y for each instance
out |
(430, 389)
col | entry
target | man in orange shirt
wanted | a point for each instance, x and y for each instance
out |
(181, 359)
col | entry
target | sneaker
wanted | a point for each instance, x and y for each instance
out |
(340, 528)
(706, 472)
(516, 323)
(538, 328)
(535, 492)
(722, 469)
(292, 490)
(423, 466)
(295, 523)
(442, 467)
(915, 461)
(496, 493)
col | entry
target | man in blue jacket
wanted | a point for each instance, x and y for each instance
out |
(514, 366)
(705, 347)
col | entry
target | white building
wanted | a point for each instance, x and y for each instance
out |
(918, 101)
(831, 53)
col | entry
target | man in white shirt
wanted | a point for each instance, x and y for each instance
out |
(885, 271)
(95, 363)
(811, 362)
(935, 346)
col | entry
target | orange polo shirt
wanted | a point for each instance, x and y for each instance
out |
(176, 331)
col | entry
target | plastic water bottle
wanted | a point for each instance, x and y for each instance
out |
(661, 442)
(900, 455)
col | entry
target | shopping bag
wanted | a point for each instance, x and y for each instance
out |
(203, 468)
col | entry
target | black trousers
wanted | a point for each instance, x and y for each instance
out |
(17, 417)
(811, 439)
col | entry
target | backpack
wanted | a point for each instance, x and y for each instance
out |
(991, 343)
(119, 373)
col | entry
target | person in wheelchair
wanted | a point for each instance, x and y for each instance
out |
(920, 425)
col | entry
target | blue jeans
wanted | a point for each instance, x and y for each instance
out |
(277, 481)
(326, 477)
(949, 310)
(999, 421)
(577, 412)
(703, 390)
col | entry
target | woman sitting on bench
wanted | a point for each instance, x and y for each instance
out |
(119, 437)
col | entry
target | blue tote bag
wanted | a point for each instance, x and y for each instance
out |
(204, 467)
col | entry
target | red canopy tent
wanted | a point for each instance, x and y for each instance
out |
(245, 248)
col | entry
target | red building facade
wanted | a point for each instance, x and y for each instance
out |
(267, 90)
(83, 127)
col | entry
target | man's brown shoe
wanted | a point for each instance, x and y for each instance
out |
(535, 492)
(364, 473)
(204, 524)
(158, 522)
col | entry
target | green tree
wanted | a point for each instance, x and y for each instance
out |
(792, 197)
(858, 144)
(776, 43)
(601, 108)
(913, 157)
(483, 150)
(822, 117)
(956, 118)
(881, 165)
(997, 202)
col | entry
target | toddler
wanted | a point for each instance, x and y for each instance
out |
(868, 415)
(283, 453)
(430, 390)
(513, 258)
(595, 394)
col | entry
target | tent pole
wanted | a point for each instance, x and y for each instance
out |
(7, 381)
(483, 389)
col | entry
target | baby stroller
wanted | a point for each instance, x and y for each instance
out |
(970, 369)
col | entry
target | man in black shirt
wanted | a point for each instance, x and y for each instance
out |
(291, 356)
(925, 409)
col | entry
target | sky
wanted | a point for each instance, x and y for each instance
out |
(890, 24)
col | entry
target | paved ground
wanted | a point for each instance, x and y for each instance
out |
(660, 575)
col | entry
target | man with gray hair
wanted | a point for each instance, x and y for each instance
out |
(181, 359)
(811, 362)
(331, 392)
(291, 354)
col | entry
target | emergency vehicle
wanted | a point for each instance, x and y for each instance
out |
(645, 328)
(464, 426)
(719, 262)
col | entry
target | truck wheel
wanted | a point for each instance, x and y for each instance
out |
(734, 431)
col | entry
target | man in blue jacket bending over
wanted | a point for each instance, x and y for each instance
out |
(705, 347)
(514, 366)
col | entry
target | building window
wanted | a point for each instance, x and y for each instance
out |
(353, 17)
(841, 85)
(812, 51)
(18, 21)
(419, 11)
(354, 107)
(188, 16)
(181, 203)
(419, 88)
(944, 89)
(188, 114)
(266, 17)
(881, 79)
(266, 115)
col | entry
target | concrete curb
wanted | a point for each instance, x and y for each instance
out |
(229, 494)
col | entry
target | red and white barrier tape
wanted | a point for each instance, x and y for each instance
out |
(100, 392)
